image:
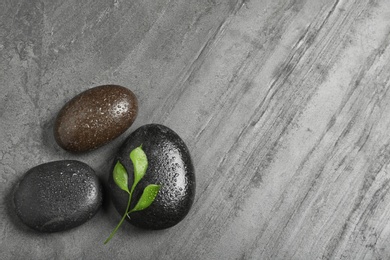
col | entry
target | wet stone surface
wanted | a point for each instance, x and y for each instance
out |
(170, 166)
(58, 196)
(95, 117)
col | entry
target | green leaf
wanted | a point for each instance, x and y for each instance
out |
(140, 163)
(121, 177)
(148, 196)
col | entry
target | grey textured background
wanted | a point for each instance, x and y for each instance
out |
(283, 104)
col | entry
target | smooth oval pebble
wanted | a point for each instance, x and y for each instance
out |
(58, 196)
(95, 117)
(170, 166)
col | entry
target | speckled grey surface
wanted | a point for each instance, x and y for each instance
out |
(51, 51)
(283, 105)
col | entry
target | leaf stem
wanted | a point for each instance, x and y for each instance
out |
(120, 222)
(128, 211)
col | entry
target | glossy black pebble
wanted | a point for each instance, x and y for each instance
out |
(58, 195)
(170, 166)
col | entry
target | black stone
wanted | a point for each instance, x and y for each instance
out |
(58, 196)
(170, 166)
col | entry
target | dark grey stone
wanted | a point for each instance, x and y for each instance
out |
(58, 196)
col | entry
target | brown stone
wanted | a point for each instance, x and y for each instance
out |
(95, 117)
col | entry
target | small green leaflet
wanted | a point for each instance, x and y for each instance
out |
(120, 176)
(140, 163)
(147, 197)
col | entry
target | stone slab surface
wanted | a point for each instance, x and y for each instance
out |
(284, 106)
